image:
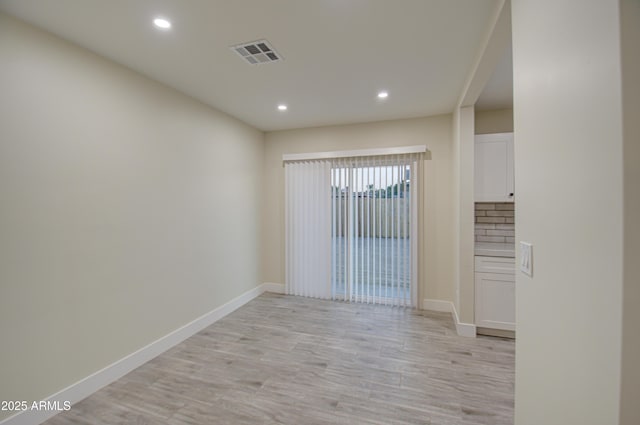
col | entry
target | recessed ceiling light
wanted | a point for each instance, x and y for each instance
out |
(383, 95)
(282, 107)
(162, 23)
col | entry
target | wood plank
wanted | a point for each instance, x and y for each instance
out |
(291, 360)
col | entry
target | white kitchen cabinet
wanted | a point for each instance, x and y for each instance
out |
(495, 293)
(494, 180)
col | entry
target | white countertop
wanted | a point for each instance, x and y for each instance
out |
(490, 249)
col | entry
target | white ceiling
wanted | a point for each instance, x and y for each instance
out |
(338, 53)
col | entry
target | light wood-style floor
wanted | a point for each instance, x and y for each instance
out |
(290, 360)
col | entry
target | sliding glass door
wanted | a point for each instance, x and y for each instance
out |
(351, 228)
(372, 231)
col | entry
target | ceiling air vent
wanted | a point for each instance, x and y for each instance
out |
(257, 52)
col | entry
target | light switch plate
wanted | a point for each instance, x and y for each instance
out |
(526, 258)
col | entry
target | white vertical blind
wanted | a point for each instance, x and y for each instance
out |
(308, 217)
(352, 228)
(374, 230)
(416, 176)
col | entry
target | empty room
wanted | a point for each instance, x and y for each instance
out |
(319, 212)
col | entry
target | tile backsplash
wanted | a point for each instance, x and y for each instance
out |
(494, 222)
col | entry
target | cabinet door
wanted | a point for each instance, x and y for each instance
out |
(494, 180)
(495, 301)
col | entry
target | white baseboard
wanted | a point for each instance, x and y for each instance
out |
(92, 383)
(276, 288)
(463, 329)
(438, 305)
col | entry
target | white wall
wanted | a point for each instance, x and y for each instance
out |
(435, 132)
(463, 211)
(127, 210)
(630, 32)
(568, 165)
(493, 121)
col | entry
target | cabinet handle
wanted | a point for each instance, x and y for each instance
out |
(511, 194)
